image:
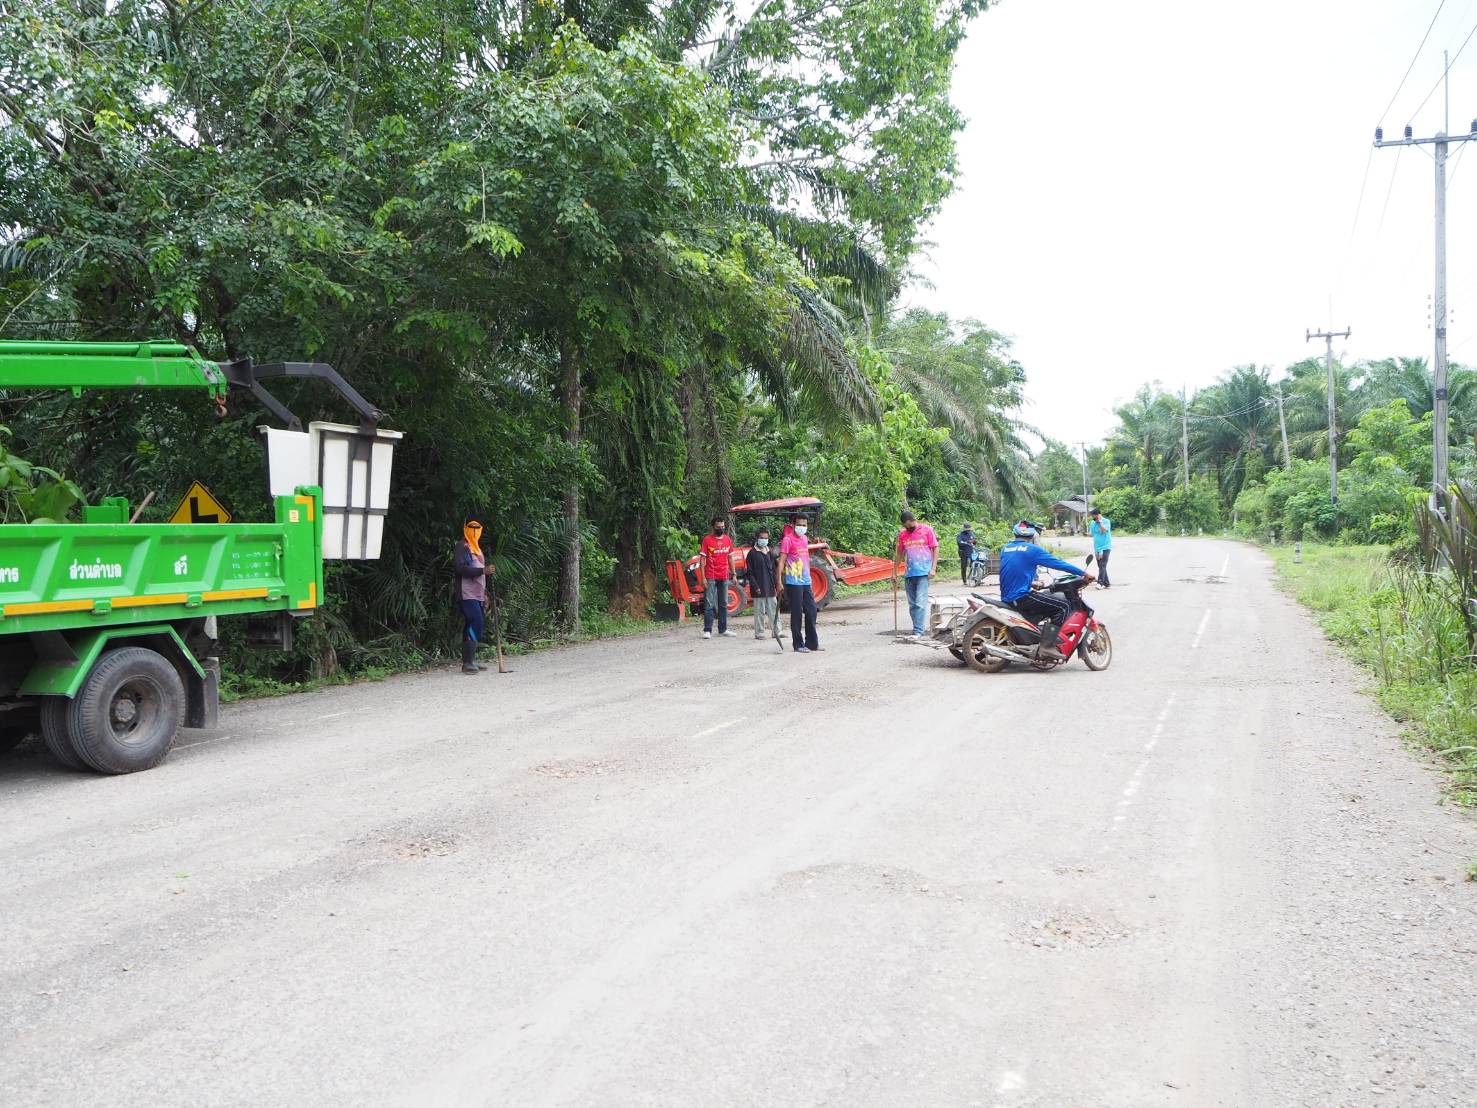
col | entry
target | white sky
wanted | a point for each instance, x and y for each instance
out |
(1164, 189)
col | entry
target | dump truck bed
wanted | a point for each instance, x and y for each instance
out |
(80, 576)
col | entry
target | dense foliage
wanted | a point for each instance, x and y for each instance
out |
(1229, 443)
(610, 265)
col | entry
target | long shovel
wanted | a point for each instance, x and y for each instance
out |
(497, 624)
(894, 601)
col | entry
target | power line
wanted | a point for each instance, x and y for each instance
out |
(1445, 71)
(1413, 60)
(1393, 172)
(1359, 207)
(1456, 161)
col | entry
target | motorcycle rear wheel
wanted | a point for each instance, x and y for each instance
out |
(1096, 649)
(981, 633)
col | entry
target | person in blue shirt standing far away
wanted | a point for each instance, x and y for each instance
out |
(919, 546)
(1102, 544)
(1019, 560)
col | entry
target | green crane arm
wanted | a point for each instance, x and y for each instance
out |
(160, 365)
(107, 365)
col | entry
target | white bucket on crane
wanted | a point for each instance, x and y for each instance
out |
(352, 466)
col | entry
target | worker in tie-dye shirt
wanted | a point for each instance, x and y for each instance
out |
(918, 546)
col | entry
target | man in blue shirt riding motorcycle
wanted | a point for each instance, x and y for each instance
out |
(1019, 560)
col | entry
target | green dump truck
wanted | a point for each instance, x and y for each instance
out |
(108, 641)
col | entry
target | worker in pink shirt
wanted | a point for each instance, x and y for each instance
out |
(918, 546)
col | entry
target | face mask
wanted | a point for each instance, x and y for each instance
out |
(912, 527)
(800, 529)
(719, 530)
(761, 543)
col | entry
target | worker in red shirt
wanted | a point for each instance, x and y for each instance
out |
(717, 554)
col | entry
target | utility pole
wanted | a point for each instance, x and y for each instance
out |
(1185, 436)
(1282, 421)
(1085, 503)
(1333, 431)
(1440, 434)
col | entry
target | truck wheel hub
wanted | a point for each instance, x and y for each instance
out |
(125, 710)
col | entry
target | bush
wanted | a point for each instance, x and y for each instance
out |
(1251, 510)
(1194, 509)
(1129, 507)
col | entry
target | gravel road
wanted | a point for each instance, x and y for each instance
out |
(675, 872)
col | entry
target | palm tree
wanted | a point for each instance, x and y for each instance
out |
(1305, 396)
(1410, 379)
(1231, 426)
(1148, 425)
(966, 381)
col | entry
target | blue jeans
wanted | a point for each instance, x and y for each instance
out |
(917, 590)
(715, 602)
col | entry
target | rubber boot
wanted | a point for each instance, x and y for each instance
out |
(469, 657)
(1049, 637)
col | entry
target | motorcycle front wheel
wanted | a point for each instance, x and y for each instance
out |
(1096, 649)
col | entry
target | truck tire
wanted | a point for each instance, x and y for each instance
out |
(56, 732)
(128, 712)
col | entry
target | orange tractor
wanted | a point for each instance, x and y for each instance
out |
(828, 567)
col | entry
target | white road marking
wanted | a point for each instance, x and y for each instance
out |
(1199, 634)
(714, 729)
(1131, 789)
(1225, 565)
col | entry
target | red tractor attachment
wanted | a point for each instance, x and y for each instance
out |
(828, 568)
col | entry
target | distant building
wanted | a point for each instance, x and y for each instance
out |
(1070, 515)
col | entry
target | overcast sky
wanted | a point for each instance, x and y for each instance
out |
(1164, 189)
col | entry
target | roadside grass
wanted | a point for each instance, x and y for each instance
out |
(1387, 617)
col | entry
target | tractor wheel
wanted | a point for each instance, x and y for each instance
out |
(822, 585)
(56, 732)
(128, 711)
(738, 598)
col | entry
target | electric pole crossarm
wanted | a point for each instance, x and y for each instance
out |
(1380, 144)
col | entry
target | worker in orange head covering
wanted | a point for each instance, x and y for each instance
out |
(472, 571)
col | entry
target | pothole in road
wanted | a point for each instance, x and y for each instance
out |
(890, 879)
(831, 694)
(1211, 579)
(715, 682)
(575, 768)
(1065, 928)
(410, 844)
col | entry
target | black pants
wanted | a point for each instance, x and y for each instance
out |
(802, 610)
(965, 553)
(1102, 565)
(1038, 606)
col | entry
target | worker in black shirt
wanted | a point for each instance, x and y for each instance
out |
(759, 568)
